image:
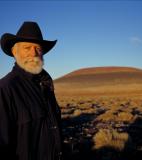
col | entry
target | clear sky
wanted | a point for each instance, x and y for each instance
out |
(89, 33)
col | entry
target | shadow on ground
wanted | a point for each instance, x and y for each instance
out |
(78, 144)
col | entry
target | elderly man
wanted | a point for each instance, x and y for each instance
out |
(29, 113)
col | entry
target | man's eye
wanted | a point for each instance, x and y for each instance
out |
(26, 48)
(39, 50)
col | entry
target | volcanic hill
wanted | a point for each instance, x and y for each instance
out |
(100, 80)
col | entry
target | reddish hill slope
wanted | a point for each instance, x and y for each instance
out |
(100, 80)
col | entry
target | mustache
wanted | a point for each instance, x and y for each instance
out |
(33, 59)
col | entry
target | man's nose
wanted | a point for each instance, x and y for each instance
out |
(34, 51)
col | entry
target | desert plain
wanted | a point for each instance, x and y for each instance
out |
(101, 111)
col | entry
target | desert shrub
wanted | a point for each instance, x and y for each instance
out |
(125, 117)
(89, 111)
(110, 138)
(107, 116)
(77, 112)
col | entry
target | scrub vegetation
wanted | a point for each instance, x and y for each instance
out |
(105, 121)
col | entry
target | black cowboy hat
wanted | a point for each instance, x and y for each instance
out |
(28, 32)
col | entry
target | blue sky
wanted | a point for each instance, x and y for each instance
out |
(89, 33)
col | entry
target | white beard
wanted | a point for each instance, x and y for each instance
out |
(32, 65)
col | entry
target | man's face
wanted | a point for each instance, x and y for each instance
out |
(28, 56)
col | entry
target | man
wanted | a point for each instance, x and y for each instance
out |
(29, 113)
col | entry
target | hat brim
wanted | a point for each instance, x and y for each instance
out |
(8, 40)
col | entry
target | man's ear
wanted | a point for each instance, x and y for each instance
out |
(14, 50)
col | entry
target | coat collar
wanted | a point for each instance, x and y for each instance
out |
(43, 75)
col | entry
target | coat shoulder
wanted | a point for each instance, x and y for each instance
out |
(8, 80)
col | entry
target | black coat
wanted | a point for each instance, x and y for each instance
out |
(29, 117)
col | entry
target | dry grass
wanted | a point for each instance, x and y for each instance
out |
(110, 138)
(112, 117)
(103, 106)
(121, 90)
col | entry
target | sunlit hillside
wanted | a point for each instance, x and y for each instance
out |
(100, 80)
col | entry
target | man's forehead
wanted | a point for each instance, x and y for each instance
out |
(28, 44)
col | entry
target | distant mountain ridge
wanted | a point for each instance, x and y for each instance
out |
(100, 79)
